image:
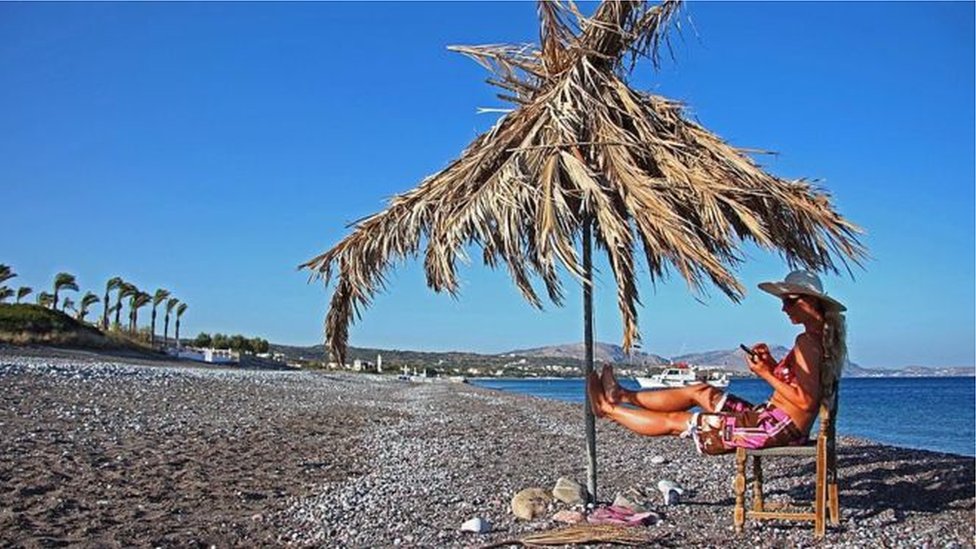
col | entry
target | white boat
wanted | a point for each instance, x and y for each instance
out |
(682, 375)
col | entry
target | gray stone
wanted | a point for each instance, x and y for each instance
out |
(670, 491)
(477, 525)
(632, 499)
(530, 503)
(569, 491)
(569, 517)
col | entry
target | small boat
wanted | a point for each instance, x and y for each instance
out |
(682, 375)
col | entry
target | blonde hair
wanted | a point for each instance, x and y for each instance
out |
(834, 352)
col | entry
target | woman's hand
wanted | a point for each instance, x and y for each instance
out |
(760, 360)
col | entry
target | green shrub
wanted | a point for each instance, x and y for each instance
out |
(24, 317)
(26, 324)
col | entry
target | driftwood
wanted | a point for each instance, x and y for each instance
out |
(586, 533)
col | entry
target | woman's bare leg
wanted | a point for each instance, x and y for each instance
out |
(642, 422)
(678, 399)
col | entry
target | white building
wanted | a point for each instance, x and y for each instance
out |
(210, 355)
(361, 365)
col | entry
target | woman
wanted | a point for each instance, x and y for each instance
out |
(800, 381)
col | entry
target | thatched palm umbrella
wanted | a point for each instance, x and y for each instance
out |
(580, 152)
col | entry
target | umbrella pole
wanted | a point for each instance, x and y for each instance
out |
(589, 420)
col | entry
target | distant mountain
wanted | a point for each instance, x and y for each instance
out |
(917, 371)
(730, 359)
(295, 352)
(410, 358)
(734, 360)
(602, 352)
(571, 355)
(394, 359)
(853, 370)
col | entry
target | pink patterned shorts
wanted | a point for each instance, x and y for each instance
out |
(739, 424)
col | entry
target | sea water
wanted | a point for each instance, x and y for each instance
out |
(930, 413)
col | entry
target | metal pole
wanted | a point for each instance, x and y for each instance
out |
(589, 420)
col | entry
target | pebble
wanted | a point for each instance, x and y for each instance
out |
(671, 491)
(569, 517)
(477, 525)
(426, 473)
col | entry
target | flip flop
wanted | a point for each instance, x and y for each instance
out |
(622, 516)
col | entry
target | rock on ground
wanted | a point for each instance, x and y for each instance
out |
(110, 452)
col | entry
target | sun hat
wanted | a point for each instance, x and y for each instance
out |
(802, 283)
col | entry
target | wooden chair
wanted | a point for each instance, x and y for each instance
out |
(825, 493)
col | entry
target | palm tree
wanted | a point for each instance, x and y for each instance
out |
(44, 299)
(6, 273)
(112, 284)
(137, 301)
(171, 303)
(583, 155)
(63, 281)
(23, 292)
(123, 291)
(157, 298)
(115, 310)
(179, 313)
(87, 301)
(68, 304)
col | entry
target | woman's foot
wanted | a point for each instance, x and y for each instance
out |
(599, 403)
(612, 389)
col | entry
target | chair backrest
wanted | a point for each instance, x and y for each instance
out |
(828, 411)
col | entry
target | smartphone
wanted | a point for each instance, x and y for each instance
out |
(747, 350)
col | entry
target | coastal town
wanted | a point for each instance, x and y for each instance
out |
(559, 362)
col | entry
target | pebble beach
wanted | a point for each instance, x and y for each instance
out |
(120, 452)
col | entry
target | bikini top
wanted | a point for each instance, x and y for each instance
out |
(784, 370)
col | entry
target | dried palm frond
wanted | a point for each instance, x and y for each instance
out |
(586, 533)
(583, 147)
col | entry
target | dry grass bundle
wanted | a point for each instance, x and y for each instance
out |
(582, 147)
(586, 533)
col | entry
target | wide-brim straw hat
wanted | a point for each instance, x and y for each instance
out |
(802, 283)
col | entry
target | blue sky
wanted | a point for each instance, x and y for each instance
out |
(210, 148)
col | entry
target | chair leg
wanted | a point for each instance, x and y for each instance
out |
(739, 515)
(757, 484)
(820, 492)
(833, 502)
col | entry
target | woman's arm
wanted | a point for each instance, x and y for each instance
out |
(805, 394)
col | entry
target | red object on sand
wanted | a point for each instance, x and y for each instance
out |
(622, 516)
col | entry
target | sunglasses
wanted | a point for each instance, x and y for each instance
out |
(791, 300)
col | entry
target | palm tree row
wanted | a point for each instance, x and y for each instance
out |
(138, 299)
(6, 273)
(125, 291)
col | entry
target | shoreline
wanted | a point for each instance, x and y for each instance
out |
(739, 377)
(861, 437)
(107, 452)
